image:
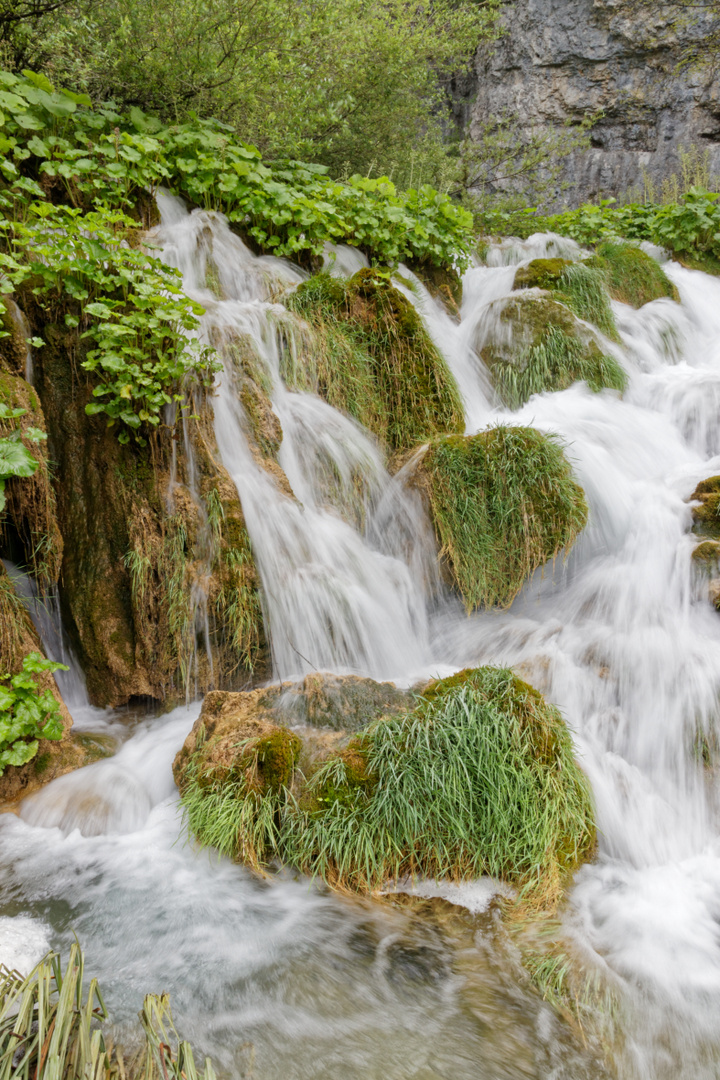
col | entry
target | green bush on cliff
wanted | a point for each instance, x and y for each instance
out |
(104, 157)
(131, 304)
(503, 503)
(479, 778)
(374, 359)
(546, 349)
(27, 713)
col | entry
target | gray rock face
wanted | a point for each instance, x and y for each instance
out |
(564, 60)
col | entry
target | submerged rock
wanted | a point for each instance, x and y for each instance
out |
(535, 344)
(477, 777)
(503, 503)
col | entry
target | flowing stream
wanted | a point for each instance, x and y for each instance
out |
(279, 978)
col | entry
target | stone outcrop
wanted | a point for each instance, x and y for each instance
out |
(565, 60)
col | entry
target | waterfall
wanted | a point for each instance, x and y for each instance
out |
(335, 598)
(621, 636)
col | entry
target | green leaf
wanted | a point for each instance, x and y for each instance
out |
(15, 460)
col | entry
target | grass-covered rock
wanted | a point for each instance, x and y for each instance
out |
(579, 286)
(539, 345)
(706, 512)
(373, 358)
(502, 503)
(631, 275)
(479, 777)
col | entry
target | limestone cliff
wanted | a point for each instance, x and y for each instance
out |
(562, 60)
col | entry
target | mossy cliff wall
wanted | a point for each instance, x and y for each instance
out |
(149, 555)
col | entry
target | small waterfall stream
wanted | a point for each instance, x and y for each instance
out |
(620, 636)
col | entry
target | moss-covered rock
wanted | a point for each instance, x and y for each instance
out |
(579, 286)
(706, 515)
(632, 276)
(539, 345)
(479, 777)
(541, 274)
(152, 539)
(373, 358)
(502, 503)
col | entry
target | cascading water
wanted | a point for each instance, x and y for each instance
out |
(620, 636)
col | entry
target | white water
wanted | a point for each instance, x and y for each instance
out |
(620, 636)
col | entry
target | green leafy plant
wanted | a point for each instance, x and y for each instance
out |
(15, 458)
(27, 713)
(107, 157)
(132, 304)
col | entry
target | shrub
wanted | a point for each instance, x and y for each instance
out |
(136, 314)
(107, 157)
(27, 713)
(503, 503)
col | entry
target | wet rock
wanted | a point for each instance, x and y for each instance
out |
(340, 703)
(706, 514)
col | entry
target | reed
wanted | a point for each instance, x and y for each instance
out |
(51, 1028)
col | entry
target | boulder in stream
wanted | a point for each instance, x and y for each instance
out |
(532, 343)
(503, 503)
(475, 775)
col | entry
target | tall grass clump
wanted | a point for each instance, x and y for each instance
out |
(503, 503)
(479, 778)
(376, 360)
(632, 276)
(542, 346)
(51, 1029)
(581, 287)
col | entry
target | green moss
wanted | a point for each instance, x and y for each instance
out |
(479, 778)
(547, 350)
(374, 359)
(632, 276)
(706, 516)
(503, 503)
(707, 554)
(277, 755)
(541, 274)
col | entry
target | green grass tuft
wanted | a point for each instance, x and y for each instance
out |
(479, 778)
(632, 276)
(374, 359)
(548, 348)
(503, 503)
